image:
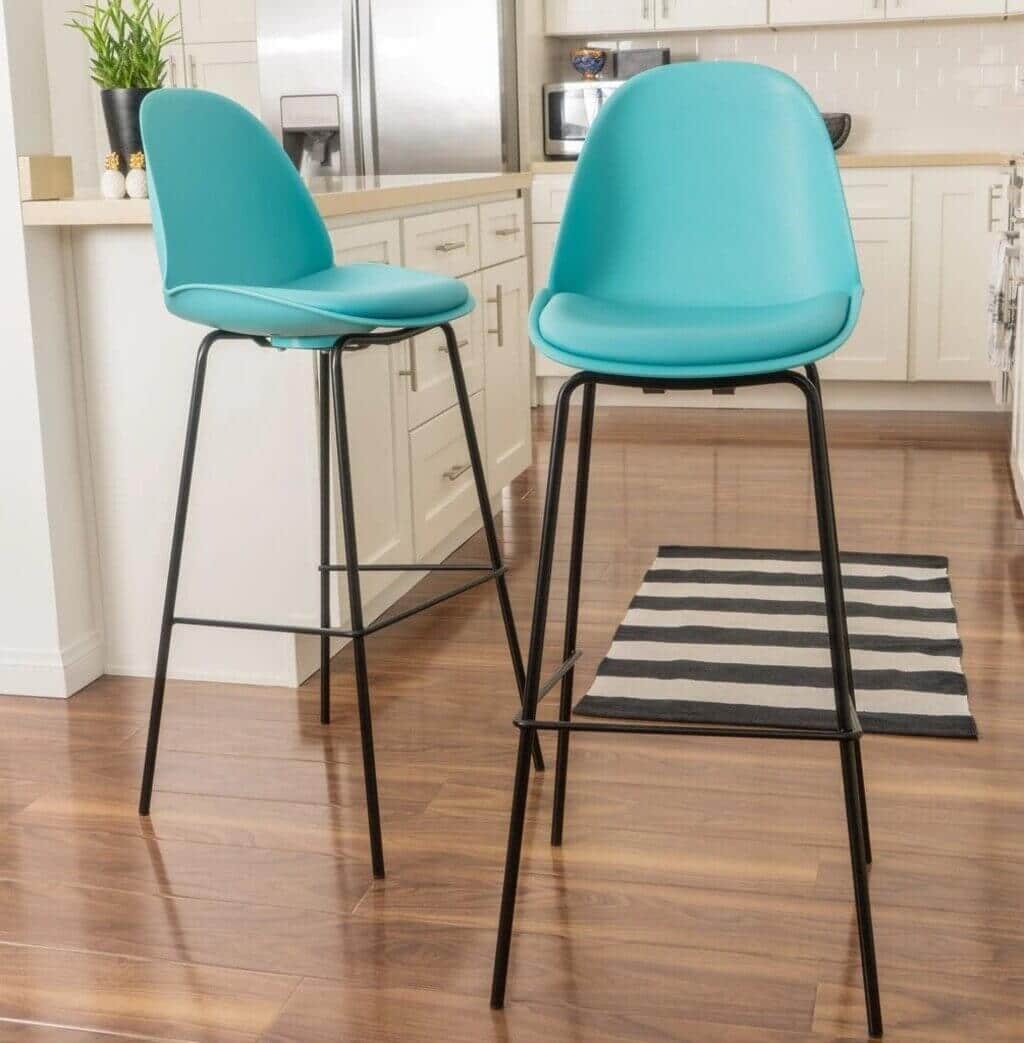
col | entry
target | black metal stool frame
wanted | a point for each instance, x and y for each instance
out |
(847, 735)
(330, 379)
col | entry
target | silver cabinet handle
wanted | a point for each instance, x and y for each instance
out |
(454, 472)
(645, 11)
(664, 8)
(412, 372)
(460, 345)
(447, 248)
(172, 71)
(192, 70)
(505, 232)
(498, 301)
(995, 197)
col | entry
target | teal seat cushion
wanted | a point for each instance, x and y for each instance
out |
(330, 302)
(616, 337)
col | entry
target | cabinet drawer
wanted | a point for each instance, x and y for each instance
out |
(380, 242)
(443, 494)
(435, 389)
(447, 242)
(877, 193)
(550, 192)
(502, 231)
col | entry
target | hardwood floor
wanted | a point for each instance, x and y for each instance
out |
(703, 893)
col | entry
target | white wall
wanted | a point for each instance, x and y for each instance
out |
(929, 86)
(49, 643)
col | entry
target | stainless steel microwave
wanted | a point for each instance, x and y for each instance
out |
(569, 112)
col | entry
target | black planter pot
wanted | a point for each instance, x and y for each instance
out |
(121, 111)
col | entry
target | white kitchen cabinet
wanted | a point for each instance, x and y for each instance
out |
(575, 17)
(218, 21)
(377, 427)
(175, 53)
(819, 12)
(878, 349)
(709, 14)
(1015, 7)
(226, 68)
(433, 390)
(378, 243)
(378, 434)
(944, 8)
(506, 302)
(443, 491)
(958, 217)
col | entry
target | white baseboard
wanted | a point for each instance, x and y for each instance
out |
(52, 675)
(838, 394)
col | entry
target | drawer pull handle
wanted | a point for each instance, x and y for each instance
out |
(447, 248)
(460, 345)
(412, 372)
(498, 302)
(455, 472)
(505, 232)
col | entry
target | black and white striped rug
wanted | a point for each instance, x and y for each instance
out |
(721, 635)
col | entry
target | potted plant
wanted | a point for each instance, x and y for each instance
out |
(127, 39)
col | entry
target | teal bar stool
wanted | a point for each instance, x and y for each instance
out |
(705, 245)
(243, 250)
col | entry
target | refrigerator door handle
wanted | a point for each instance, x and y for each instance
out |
(365, 86)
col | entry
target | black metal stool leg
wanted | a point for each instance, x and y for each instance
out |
(812, 373)
(173, 571)
(324, 436)
(839, 645)
(490, 533)
(356, 613)
(572, 610)
(531, 693)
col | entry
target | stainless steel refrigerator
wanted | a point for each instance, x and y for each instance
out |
(390, 86)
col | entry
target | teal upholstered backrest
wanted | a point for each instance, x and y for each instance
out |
(228, 205)
(707, 183)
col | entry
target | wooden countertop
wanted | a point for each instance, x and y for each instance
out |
(335, 197)
(854, 160)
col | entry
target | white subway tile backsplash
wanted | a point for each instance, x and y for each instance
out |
(944, 85)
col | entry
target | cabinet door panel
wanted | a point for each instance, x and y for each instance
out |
(944, 8)
(379, 451)
(1015, 7)
(817, 12)
(958, 217)
(379, 243)
(377, 427)
(878, 348)
(434, 388)
(218, 21)
(569, 17)
(226, 68)
(507, 372)
(1017, 445)
(710, 14)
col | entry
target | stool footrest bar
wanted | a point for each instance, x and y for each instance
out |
(414, 568)
(557, 676)
(372, 628)
(726, 731)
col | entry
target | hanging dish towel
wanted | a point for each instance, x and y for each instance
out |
(1002, 315)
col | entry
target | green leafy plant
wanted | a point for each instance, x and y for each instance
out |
(127, 39)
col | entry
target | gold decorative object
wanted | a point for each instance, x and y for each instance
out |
(137, 161)
(112, 162)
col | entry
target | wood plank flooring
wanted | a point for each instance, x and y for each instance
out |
(703, 893)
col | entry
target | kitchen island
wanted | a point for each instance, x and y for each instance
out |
(252, 550)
